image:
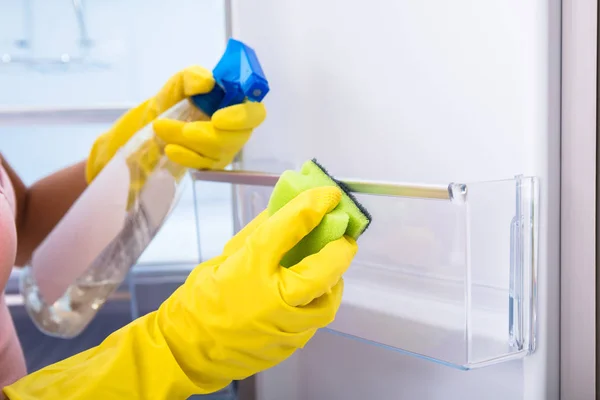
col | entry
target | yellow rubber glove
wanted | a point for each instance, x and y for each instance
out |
(209, 144)
(235, 315)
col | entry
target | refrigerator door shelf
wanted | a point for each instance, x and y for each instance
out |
(446, 273)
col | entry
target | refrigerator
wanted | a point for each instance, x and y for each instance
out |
(487, 290)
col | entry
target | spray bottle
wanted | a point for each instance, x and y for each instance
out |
(90, 251)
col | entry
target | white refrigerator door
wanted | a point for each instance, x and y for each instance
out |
(578, 208)
(413, 91)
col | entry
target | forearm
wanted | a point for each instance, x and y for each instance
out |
(136, 362)
(43, 204)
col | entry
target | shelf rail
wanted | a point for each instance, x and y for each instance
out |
(453, 192)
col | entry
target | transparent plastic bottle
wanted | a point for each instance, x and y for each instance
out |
(64, 316)
(89, 253)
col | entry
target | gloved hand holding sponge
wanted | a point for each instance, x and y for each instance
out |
(276, 282)
(236, 315)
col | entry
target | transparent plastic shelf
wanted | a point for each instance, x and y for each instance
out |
(446, 273)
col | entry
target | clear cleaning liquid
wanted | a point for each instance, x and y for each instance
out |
(62, 291)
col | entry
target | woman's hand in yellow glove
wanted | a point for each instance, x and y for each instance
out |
(209, 144)
(188, 82)
(235, 315)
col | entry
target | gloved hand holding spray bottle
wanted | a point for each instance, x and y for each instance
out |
(89, 253)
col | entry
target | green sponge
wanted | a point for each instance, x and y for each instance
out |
(348, 218)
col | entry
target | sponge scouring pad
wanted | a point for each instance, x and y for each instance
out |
(348, 218)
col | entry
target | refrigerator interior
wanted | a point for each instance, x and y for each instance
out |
(420, 92)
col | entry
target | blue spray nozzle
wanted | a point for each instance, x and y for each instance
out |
(238, 75)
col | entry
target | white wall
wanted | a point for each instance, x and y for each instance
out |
(140, 44)
(427, 91)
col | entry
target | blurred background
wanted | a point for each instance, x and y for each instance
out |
(68, 69)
